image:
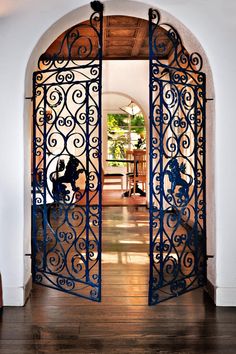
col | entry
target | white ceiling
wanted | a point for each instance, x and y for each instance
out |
(112, 102)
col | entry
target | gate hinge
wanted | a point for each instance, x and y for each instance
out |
(209, 99)
(28, 255)
(209, 256)
(29, 98)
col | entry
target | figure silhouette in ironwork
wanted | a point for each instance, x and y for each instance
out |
(174, 174)
(70, 176)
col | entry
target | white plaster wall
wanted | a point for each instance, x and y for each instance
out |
(22, 24)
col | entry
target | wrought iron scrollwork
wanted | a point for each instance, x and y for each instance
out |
(81, 42)
(177, 166)
(180, 57)
(67, 162)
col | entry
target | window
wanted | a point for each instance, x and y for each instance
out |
(124, 133)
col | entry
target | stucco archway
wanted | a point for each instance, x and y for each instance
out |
(127, 8)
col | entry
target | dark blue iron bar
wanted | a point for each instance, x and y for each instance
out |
(195, 183)
(175, 68)
(193, 274)
(55, 287)
(45, 182)
(186, 290)
(69, 278)
(34, 216)
(99, 246)
(161, 183)
(203, 190)
(204, 179)
(87, 141)
(183, 291)
(177, 83)
(58, 70)
(66, 83)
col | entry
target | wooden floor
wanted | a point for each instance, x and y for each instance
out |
(114, 197)
(54, 322)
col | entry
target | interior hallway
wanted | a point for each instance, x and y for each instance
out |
(55, 322)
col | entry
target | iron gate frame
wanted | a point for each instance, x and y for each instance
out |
(65, 71)
(184, 66)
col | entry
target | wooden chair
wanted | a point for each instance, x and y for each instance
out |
(130, 166)
(112, 179)
(140, 171)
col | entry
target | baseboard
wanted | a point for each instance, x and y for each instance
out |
(226, 296)
(13, 296)
(28, 288)
(221, 296)
(17, 296)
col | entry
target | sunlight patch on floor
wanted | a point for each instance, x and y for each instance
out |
(131, 241)
(126, 226)
(125, 258)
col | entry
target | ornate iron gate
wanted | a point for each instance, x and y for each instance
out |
(67, 162)
(177, 166)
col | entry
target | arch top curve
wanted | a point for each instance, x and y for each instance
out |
(126, 99)
(130, 8)
(181, 58)
(81, 42)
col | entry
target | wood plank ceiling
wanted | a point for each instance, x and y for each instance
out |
(127, 38)
(124, 37)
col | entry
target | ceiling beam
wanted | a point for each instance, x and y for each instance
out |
(141, 35)
(104, 49)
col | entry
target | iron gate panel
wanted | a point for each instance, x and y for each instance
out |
(177, 167)
(67, 163)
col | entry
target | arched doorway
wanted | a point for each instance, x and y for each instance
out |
(49, 99)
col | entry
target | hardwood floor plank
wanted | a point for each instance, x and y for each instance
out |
(128, 314)
(157, 344)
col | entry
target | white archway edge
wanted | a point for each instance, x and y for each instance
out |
(21, 30)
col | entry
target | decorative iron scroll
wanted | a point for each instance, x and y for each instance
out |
(177, 167)
(81, 42)
(67, 163)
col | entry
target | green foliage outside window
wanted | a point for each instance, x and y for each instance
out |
(138, 124)
(124, 135)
